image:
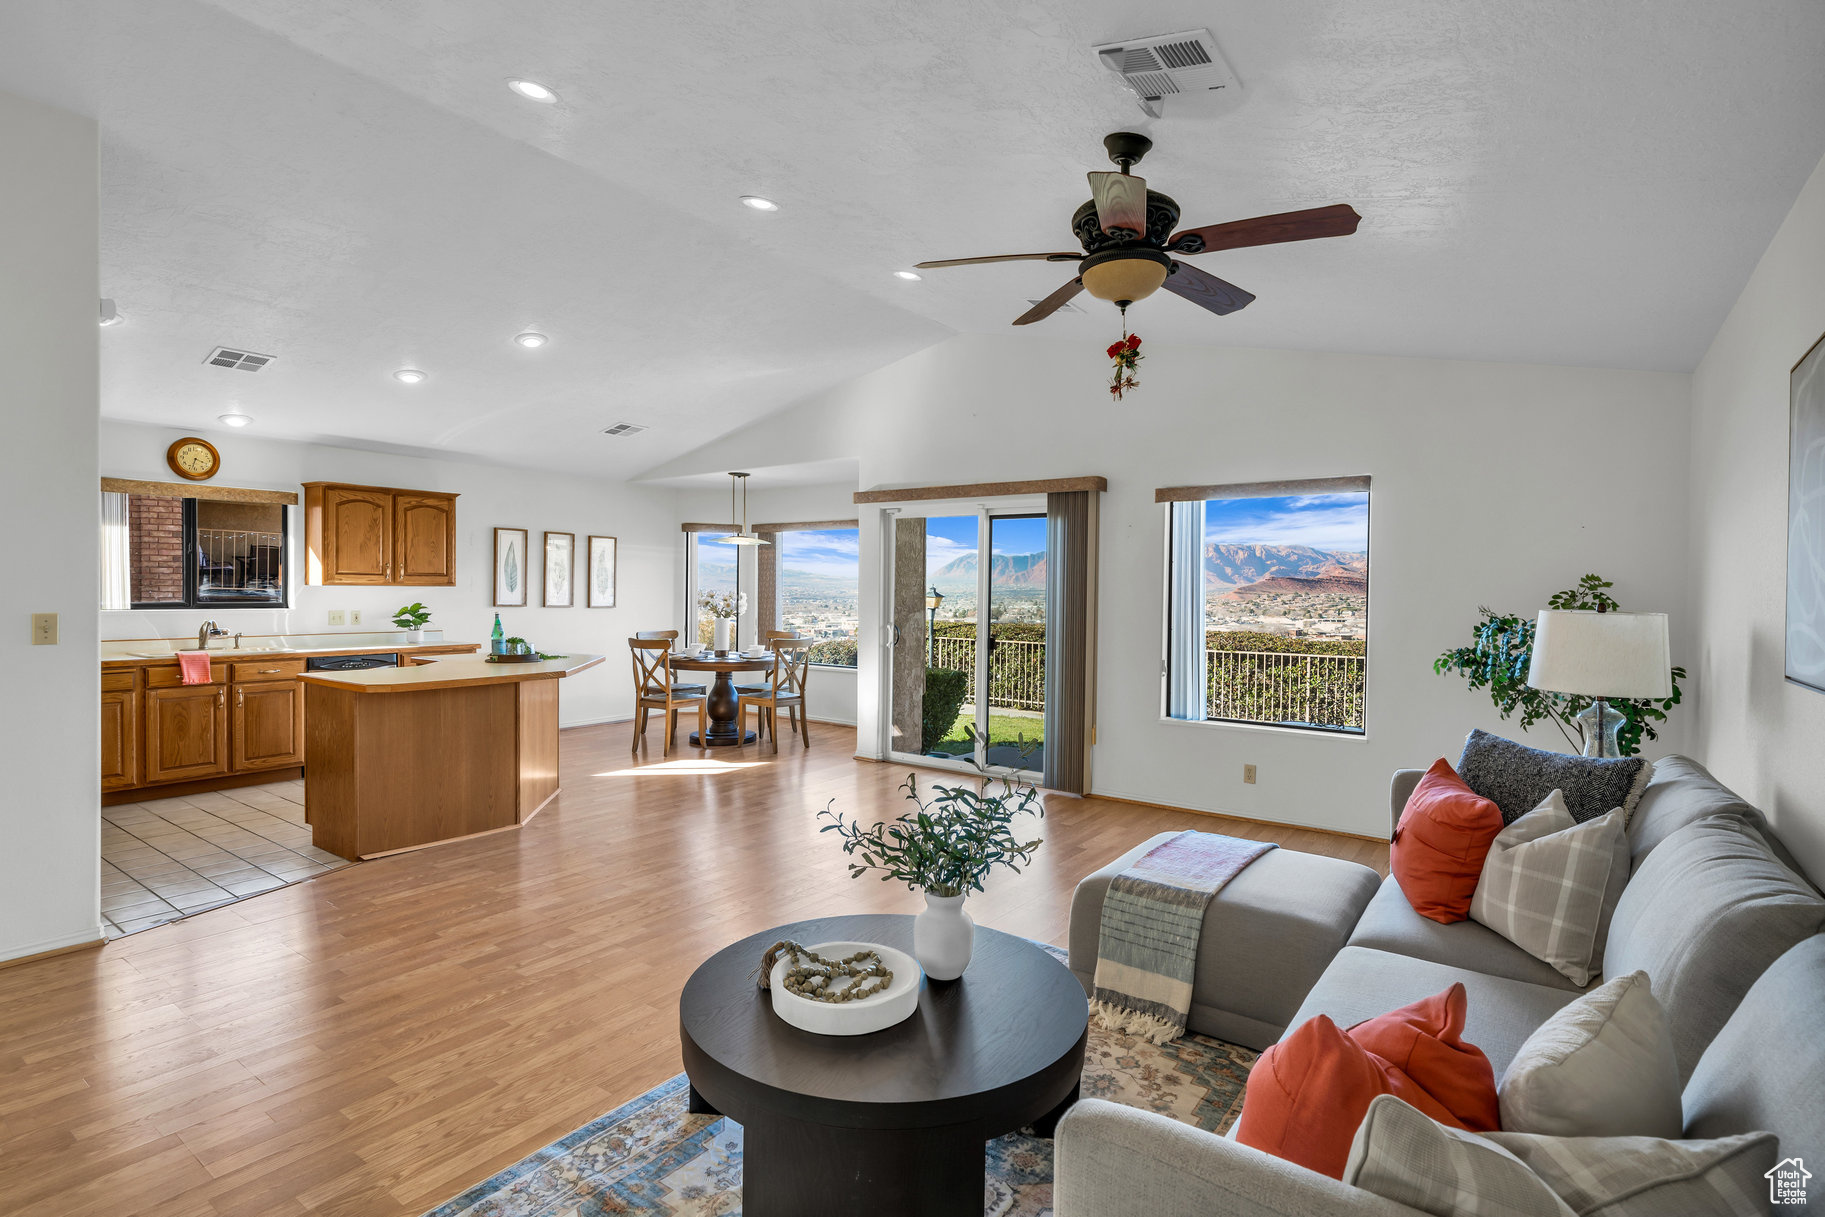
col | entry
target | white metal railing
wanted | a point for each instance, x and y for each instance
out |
(1017, 670)
(1286, 687)
(234, 559)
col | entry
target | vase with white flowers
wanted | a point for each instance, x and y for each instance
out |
(723, 609)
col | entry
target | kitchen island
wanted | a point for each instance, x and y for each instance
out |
(399, 758)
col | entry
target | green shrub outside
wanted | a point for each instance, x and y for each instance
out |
(945, 692)
(1251, 640)
(838, 652)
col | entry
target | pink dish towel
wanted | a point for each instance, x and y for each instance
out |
(193, 666)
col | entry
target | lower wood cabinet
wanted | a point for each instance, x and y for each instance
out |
(186, 733)
(119, 738)
(268, 725)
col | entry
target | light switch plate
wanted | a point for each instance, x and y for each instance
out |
(1248, 774)
(354, 616)
(338, 617)
(44, 629)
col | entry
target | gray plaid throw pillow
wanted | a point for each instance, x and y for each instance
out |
(1405, 1155)
(1550, 885)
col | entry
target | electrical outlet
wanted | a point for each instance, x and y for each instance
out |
(338, 617)
(44, 629)
(1248, 774)
(354, 616)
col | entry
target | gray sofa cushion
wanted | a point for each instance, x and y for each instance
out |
(1266, 937)
(1516, 778)
(1766, 1068)
(1500, 1014)
(1390, 924)
(1705, 914)
(1681, 792)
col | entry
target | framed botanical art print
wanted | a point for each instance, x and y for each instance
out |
(560, 560)
(510, 568)
(601, 572)
(1806, 520)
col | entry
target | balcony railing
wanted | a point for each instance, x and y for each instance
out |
(1285, 687)
(233, 559)
(1017, 670)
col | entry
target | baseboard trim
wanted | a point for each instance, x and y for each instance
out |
(70, 948)
(1230, 815)
(177, 790)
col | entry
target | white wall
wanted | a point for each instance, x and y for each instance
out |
(641, 517)
(1493, 484)
(1758, 733)
(50, 826)
(831, 692)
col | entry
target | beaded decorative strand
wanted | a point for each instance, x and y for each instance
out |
(811, 975)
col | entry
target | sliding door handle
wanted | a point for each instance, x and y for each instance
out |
(896, 635)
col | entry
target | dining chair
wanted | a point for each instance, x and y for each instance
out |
(672, 636)
(760, 687)
(654, 690)
(791, 665)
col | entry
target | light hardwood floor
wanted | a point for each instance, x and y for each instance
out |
(376, 1039)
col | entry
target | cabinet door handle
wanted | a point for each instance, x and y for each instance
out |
(240, 697)
(268, 671)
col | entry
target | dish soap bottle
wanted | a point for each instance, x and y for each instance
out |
(497, 641)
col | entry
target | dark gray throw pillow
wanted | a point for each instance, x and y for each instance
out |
(1516, 778)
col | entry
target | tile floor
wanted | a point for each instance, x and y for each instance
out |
(167, 858)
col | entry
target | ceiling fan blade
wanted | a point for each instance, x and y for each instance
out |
(1051, 304)
(1121, 201)
(1206, 290)
(998, 258)
(1337, 220)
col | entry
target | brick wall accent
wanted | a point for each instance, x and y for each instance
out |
(155, 530)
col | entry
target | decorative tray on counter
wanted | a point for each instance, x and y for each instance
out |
(534, 658)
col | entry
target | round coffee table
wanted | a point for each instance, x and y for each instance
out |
(724, 706)
(893, 1122)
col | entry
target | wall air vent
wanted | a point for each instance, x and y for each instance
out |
(620, 429)
(240, 361)
(1169, 65)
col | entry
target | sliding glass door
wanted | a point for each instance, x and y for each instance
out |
(968, 675)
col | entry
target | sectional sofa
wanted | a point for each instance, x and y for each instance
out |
(1716, 911)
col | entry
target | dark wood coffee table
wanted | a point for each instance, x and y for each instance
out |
(894, 1122)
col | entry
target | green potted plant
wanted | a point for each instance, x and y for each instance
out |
(944, 848)
(412, 619)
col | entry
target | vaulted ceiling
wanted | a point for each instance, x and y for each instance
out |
(350, 186)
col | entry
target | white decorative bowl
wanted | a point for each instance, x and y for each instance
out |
(894, 1004)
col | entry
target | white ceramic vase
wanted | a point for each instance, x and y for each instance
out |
(943, 937)
(415, 635)
(724, 627)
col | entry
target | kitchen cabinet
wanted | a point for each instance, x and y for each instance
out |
(186, 732)
(267, 731)
(356, 535)
(120, 735)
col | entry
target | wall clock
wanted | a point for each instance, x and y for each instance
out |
(194, 458)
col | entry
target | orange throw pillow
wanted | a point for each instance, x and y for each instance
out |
(1307, 1094)
(1444, 836)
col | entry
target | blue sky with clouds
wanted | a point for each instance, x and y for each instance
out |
(829, 553)
(948, 538)
(1322, 521)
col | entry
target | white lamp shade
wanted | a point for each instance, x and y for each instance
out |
(1601, 654)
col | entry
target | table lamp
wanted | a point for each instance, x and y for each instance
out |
(1601, 655)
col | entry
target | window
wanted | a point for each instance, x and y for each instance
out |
(163, 552)
(1268, 604)
(819, 577)
(712, 568)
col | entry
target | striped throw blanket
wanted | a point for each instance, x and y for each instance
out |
(1152, 917)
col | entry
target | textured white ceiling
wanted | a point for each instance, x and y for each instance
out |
(348, 185)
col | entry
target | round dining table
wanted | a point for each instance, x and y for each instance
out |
(725, 729)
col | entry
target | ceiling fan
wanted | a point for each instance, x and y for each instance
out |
(1128, 239)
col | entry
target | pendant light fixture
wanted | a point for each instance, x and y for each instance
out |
(744, 537)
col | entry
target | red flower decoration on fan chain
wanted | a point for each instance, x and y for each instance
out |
(1126, 354)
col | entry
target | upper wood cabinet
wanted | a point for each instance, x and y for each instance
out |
(377, 534)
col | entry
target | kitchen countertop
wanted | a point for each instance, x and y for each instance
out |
(145, 652)
(454, 672)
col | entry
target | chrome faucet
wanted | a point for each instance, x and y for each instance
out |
(205, 632)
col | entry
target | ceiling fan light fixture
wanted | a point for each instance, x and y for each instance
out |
(1125, 275)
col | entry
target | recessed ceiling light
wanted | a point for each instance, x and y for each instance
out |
(109, 314)
(531, 340)
(234, 418)
(532, 90)
(758, 203)
(410, 376)
(911, 276)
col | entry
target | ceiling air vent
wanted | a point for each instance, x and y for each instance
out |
(623, 429)
(240, 361)
(1168, 65)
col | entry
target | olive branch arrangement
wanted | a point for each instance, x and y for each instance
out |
(951, 843)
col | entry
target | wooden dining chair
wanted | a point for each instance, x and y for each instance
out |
(791, 665)
(761, 688)
(654, 690)
(672, 636)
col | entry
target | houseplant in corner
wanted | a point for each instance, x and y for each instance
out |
(412, 619)
(945, 849)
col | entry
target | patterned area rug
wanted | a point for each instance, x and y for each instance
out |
(651, 1156)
